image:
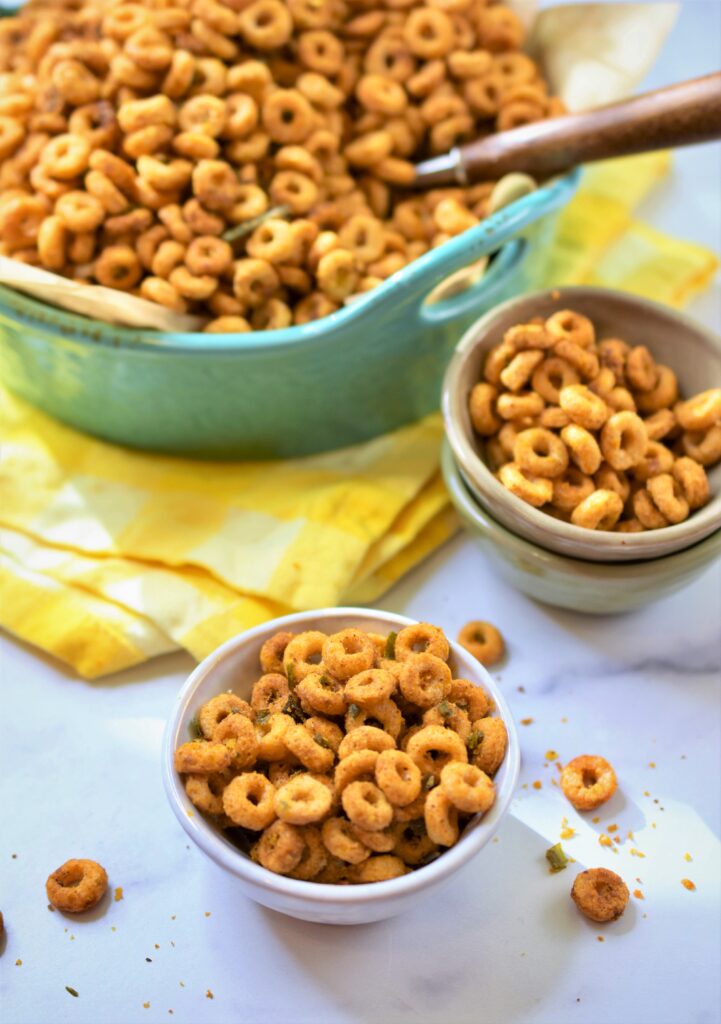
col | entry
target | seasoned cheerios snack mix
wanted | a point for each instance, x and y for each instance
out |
(359, 757)
(247, 161)
(593, 430)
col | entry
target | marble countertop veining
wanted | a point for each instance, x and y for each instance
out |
(502, 943)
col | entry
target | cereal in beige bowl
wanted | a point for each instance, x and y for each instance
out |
(359, 757)
(592, 429)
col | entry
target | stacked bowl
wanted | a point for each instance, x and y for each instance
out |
(547, 558)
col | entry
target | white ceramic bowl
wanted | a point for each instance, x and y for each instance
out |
(689, 349)
(234, 666)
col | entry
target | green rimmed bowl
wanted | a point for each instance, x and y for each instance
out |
(594, 587)
(369, 368)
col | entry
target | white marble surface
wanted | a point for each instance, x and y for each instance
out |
(79, 775)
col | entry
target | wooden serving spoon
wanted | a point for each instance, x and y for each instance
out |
(678, 115)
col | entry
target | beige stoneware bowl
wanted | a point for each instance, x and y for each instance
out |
(689, 349)
(234, 666)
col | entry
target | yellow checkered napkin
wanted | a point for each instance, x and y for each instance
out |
(109, 557)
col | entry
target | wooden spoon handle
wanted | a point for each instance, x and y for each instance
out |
(678, 115)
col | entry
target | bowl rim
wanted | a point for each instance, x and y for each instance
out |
(484, 521)
(483, 482)
(419, 276)
(229, 857)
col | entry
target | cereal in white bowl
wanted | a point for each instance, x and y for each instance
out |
(359, 757)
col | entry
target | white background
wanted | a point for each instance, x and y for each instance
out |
(80, 776)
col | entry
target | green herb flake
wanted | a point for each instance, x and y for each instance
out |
(325, 683)
(430, 781)
(321, 740)
(391, 646)
(293, 708)
(474, 739)
(262, 716)
(289, 675)
(194, 730)
(556, 858)
(72, 991)
(445, 709)
(353, 710)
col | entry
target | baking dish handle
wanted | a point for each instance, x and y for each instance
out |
(505, 262)
(419, 278)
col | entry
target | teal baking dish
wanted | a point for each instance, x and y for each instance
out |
(367, 369)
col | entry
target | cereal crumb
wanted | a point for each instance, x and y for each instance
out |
(526, 721)
(521, 689)
(172, 917)
(636, 853)
(14, 856)
(551, 755)
(182, 984)
(118, 893)
(653, 824)
(600, 938)
(595, 820)
(638, 894)
(629, 835)
(190, 814)
(146, 1006)
(568, 832)
(537, 784)
(646, 793)
(652, 764)
(209, 995)
(604, 840)
(564, 720)
(156, 945)
(688, 884)
(18, 963)
(687, 856)
(208, 913)
(113, 928)
(612, 828)
(51, 908)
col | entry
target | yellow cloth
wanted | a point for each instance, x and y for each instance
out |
(109, 557)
